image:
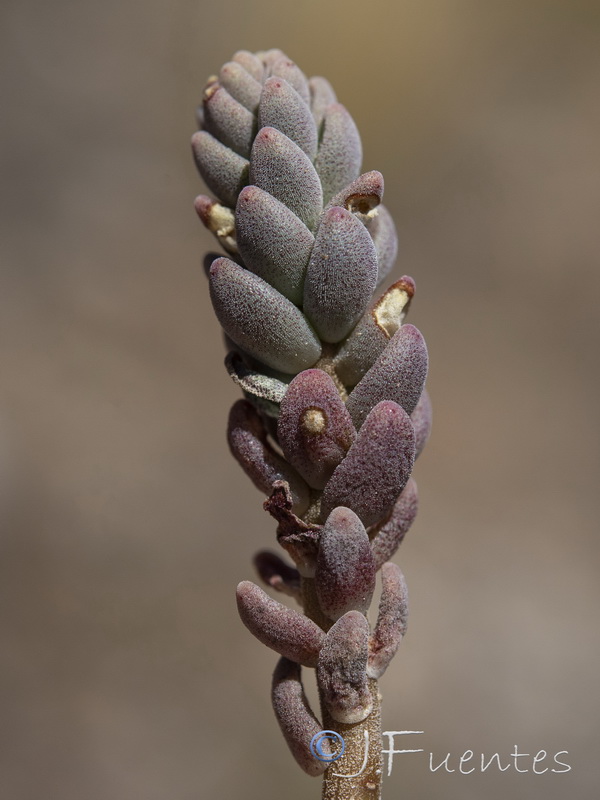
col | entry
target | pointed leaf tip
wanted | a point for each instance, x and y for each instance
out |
(281, 107)
(273, 242)
(283, 169)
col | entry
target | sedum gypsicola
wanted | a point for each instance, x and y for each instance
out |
(335, 410)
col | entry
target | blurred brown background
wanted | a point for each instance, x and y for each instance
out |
(125, 672)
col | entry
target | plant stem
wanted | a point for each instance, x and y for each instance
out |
(362, 757)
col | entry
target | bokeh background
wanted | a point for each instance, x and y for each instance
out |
(125, 524)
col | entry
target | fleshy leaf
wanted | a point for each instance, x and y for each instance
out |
(321, 96)
(372, 333)
(284, 630)
(340, 152)
(341, 671)
(341, 275)
(249, 445)
(270, 57)
(260, 319)
(361, 197)
(207, 263)
(398, 374)
(296, 720)
(251, 63)
(224, 172)
(389, 534)
(383, 231)
(345, 574)
(421, 420)
(377, 467)
(277, 574)
(241, 85)
(281, 107)
(273, 242)
(391, 620)
(228, 121)
(283, 67)
(315, 430)
(281, 168)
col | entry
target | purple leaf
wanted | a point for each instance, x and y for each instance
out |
(315, 430)
(389, 534)
(345, 574)
(383, 231)
(421, 420)
(391, 620)
(341, 671)
(288, 632)
(295, 717)
(248, 442)
(207, 263)
(372, 333)
(277, 574)
(398, 374)
(377, 467)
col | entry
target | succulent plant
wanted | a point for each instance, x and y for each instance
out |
(335, 409)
